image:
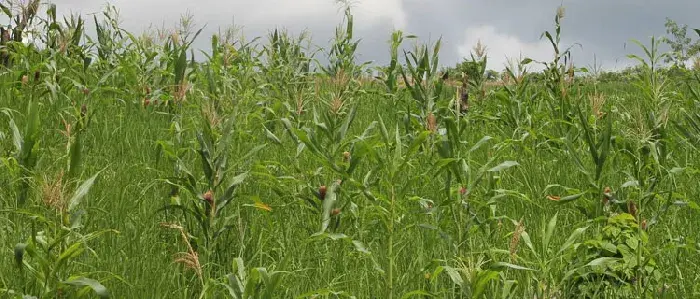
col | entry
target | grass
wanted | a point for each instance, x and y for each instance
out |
(257, 174)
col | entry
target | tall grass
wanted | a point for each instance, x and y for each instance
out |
(131, 170)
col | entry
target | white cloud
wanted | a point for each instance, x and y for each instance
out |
(502, 47)
(259, 13)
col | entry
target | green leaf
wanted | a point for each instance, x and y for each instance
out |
(95, 285)
(328, 205)
(503, 166)
(631, 183)
(359, 246)
(252, 152)
(224, 200)
(588, 136)
(526, 239)
(454, 275)
(6, 10)
(676, 170)
(180, 66)
(385, 132)
(501, 265)
(346, 124)
(271, 136)
(415, 145)
(571, 197)
(16, 136)
(482, 281)
(572, 238)
(605, 147)
(417, 293)
(398, 155)
(480, 143)
(550, 230)
(73, 251)
(602, 261)
(81, 192)
(75, 156)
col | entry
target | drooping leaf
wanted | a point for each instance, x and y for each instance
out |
(603, 261)
(503, 166)
(95, 285)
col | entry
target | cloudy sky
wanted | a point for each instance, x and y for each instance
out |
(508, 28)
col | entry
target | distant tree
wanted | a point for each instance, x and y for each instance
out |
(683, 47)
(491, 75)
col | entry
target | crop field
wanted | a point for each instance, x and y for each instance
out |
(267, 169)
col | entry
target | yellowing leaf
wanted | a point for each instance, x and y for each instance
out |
(263, 206)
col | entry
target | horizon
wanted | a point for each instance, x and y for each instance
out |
(501, 46)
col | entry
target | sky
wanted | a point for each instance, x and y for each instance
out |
(510, 29)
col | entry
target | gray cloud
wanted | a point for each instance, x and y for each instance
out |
(506, 27)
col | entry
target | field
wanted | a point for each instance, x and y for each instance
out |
(131, 170)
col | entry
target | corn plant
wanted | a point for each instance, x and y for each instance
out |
(211, 191)
(342, 52)
(27, 147)
(289, 78)
(24, 15)
(559, 76)
(254, 283)
(690, 129)
(519, 102)
(425, 86)
(46, 259)
(389, 74)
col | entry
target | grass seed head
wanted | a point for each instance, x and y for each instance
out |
(515, 240)
(52, 193)
(561, 12)
(696, 63)
(479, 49)
(189, 259)
(336, 104)
(597, 102)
